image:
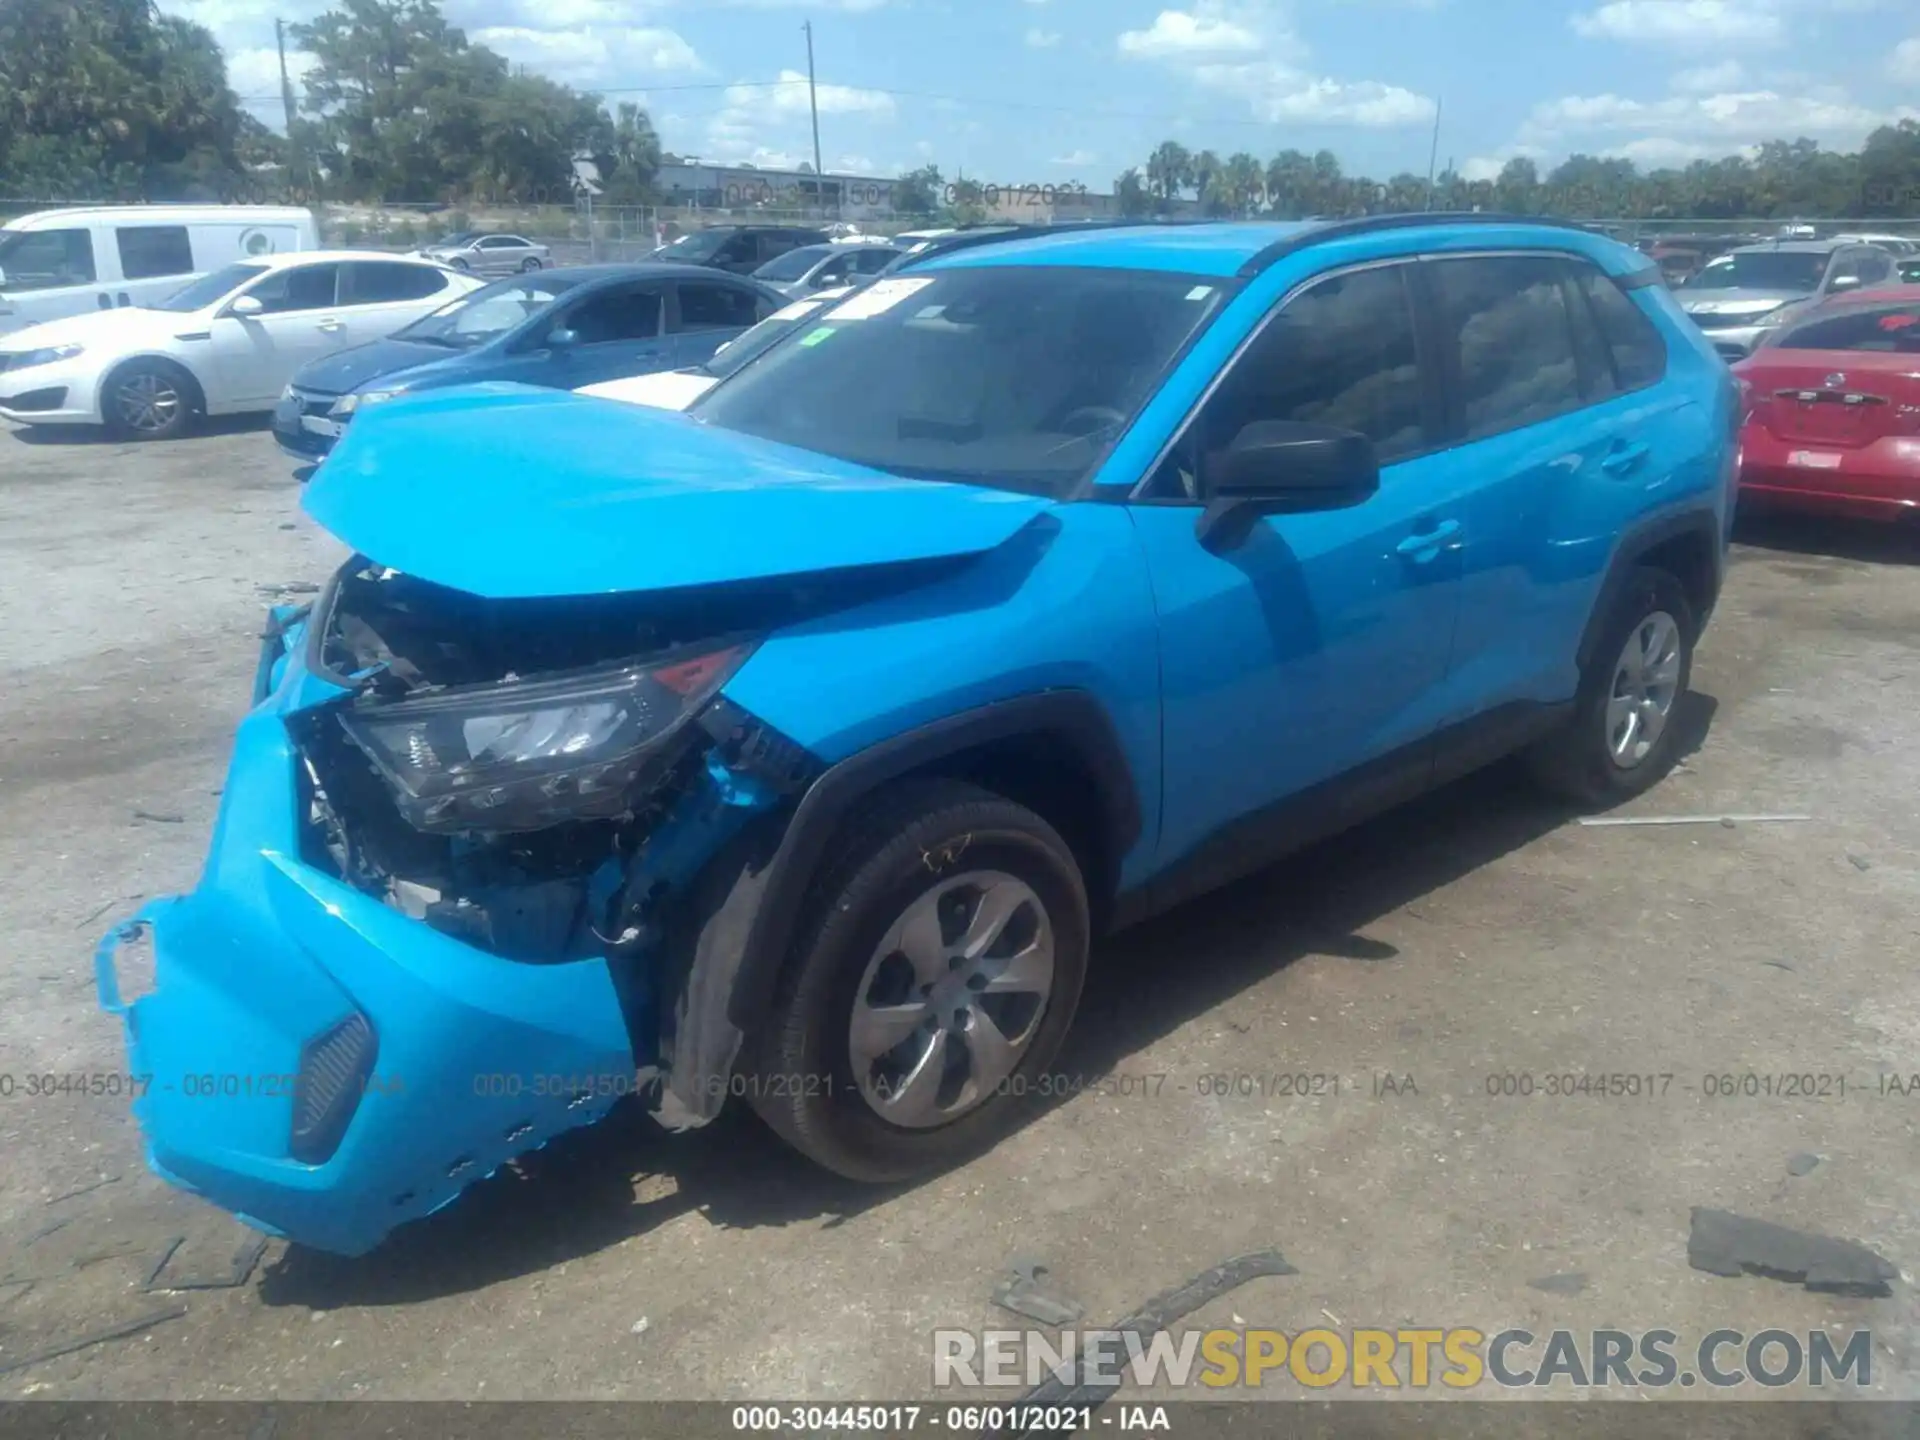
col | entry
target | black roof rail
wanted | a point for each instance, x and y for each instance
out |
(1368, 224)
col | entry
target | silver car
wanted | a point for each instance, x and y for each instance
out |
(812, 268)
(1740, 297)
(489, 253)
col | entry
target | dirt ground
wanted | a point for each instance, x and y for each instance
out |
(1481, 934)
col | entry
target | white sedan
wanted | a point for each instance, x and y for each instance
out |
(227, 343)
(677, 389)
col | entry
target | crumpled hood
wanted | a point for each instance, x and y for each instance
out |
(1738, 302)
(100, 327)
(403, 361)
(509, 491)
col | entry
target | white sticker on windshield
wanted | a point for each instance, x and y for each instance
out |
(1199, 292)
(795, 310)
(929, 312)
(877, 299)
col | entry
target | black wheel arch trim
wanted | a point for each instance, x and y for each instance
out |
(1071, 713)
(1634, 545)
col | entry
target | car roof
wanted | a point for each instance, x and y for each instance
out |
(308, 257)
(1231, 247)
(159, 214)
(1796, 247)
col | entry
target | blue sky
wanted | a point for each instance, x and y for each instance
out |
(1039, 91)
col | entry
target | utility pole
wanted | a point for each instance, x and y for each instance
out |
(813, 104)
(1433, 156)
(286, 100)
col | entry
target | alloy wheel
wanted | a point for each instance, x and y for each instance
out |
(1646, 681)
(148, 402)
(952, 998)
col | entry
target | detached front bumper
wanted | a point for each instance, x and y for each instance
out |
(324, 1066)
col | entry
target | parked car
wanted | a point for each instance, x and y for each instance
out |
(1740, 296)
(739, 248)
(56, 263)
(226, 343)
(489, 253)
(1908, 271)
(1833, 409)
(816, 732)
(562, 328)
(822, 267)
(1898, 246)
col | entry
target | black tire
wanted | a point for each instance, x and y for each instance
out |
(1577, 761)
(530, 264)
(150, 400)
(900, 846)
(458, 264)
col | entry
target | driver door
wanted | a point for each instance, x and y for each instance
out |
(618, 331)
(1303, 666)
(254, 356)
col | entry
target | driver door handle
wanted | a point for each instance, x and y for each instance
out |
(331, 326)
(1424, 545)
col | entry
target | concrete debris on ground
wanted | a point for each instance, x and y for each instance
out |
(1801, 1163)
(1570, 1283)
(1024, 1291)
(1722, 1243)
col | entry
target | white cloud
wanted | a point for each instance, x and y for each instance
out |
(1683, 22)
(750, 112)
(1074, 158)
(850, 6)
(1686, 127)
(1904, 63)
(1042, 39)
(1481, 167)
(1245, 49)
(1181, 33)
(1709, 79)
(851, 165)
(592, 56)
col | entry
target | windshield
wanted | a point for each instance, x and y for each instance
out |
(480, 315)
(1012, 376)
(458, 240)
(1887, 329)
(751, 344)
(1797, 270)
(700, 245)
(793, 264)
(210, 288)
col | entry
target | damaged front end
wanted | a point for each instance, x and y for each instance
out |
(452, 894)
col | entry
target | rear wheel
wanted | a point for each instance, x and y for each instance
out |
(149, 400)
(933, 982)
(532, 262)
(1622, 737)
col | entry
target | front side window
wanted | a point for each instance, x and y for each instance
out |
(482, 315)
(1886, 329)
(872, 262)
(297, 288)
(151, 251)
(615, 315)
(209, 288)
(717, 307)
(45, 260)
(1506, 315)
(1012, 376)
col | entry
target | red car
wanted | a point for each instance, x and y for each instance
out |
(1833, 408)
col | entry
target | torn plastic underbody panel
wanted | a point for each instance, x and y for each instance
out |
(448, 905)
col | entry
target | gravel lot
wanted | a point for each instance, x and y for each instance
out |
(1480, 934)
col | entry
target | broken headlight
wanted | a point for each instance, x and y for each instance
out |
(529, 754)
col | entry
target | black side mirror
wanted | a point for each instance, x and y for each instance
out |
(1282, 467)
(562, 339)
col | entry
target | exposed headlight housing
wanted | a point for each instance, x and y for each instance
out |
(527, 755)
(346, 405)
(21, 359)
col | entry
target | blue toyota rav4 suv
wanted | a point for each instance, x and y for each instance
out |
(800, 747)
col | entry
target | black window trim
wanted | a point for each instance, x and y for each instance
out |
(344, 285)
(1433, 396)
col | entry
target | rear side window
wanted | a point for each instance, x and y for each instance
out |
(1887, 330)
(45, 259)
(716, 307)
(1639, 354)
(148, 251)
(375, 282)
(1506, 316)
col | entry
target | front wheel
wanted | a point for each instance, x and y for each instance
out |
(532, 262)
(1622, 738)
(929, 988)
(148, 400)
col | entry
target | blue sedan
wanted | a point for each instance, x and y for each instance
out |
(557, 328)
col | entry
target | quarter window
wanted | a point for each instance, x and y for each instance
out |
(716, 307)
(386, 282)
(1507, 318)
(151, 251)
(1639, 354)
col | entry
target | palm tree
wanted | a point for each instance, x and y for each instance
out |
(1206, 173)
(1169, 171)
(1243, 184)
(1290, 184)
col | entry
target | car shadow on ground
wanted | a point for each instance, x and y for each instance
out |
(1828, 536)
(99, 434)
(624, 1178)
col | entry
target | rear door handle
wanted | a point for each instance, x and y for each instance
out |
(1424, 545)
(1625, 457)
(331, 326)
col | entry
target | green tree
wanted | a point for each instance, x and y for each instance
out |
(1169, 171)
(1242, 184)
(1290, 184)
(1130, 196)
(919, 192)
(1517, 189)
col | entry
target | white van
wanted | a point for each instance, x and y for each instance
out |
(56, 263)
